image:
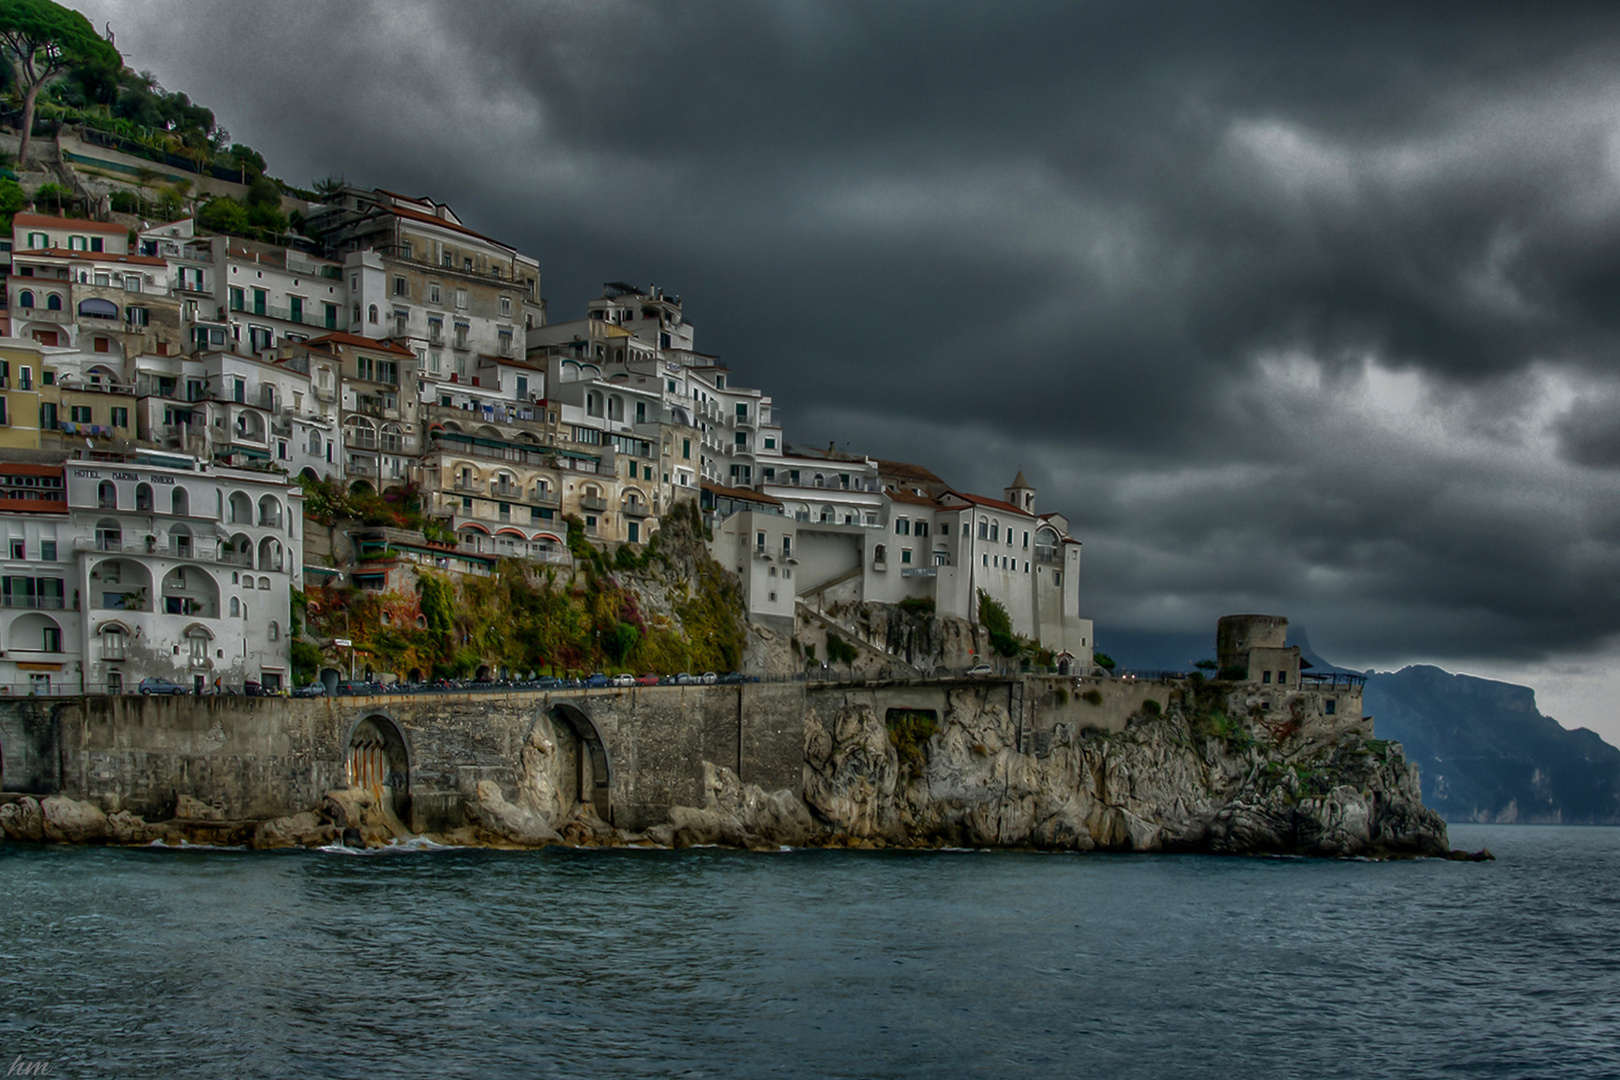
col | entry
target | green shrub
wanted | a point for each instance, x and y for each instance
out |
(918, 605)
(1103, 660)
(840, 651)
(909, 732)
(1152, 708)
(1092, 696)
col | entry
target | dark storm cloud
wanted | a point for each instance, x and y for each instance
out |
(1300, 308)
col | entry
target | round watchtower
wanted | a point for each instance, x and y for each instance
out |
(1235, 635)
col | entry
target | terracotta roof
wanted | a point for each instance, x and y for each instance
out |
(338, 337)
(906, 469)
(70, 224)
(92, 256)
(429, 219)
(744, 494)
(992, 504)
(896, 495)
(21, 468)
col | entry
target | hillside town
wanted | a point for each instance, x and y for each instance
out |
(170, 393)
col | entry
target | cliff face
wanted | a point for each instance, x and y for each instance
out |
(1164, 783)
(1488, 754)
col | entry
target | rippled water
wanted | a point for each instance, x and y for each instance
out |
(827, 964)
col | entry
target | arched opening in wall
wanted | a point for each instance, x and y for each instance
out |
(360, 487)
(180, 503)
(380, 762)
(241, 508)
(595, 769)
(482, 674)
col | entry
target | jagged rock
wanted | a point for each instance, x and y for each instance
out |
(23, 819)
(513, 823)
(741, 815)
(1156, 786)
(360, 810)
(127, 828)
(72, 822)
(304, 829)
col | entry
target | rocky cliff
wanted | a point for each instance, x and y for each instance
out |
(1177, 780)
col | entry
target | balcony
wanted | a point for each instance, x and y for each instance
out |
(1048, 554)
(544, 497)
(505, 491)
(592, 502)
(360, 439)
(469, 486)
(43, 314)
(49, 603)
(635, 508)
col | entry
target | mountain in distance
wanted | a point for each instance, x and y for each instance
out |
(1484, 752)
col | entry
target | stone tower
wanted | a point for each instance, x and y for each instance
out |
(1020, 494)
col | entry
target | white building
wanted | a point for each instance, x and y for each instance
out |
(157, 565)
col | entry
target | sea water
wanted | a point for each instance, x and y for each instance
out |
(434, 962)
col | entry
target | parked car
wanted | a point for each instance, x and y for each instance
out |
(979, 671)
(648, 679)
(686, 679)
(710, 678)
(732, 678)
(598, 680)
(154, 684)
(624, 679)
(314, 689)
(547, 682)
(359, 686)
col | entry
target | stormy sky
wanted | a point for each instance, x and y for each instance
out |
(1302, 309)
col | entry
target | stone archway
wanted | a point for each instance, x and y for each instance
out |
(380, 762)
(595, 767)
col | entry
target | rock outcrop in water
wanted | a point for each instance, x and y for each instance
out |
(1168, 782)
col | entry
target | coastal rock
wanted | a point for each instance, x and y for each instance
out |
(72, 822)
(359, 809)
(127, 828)
(511, 822)
(304, 829)
(23, 819)
(740, 815)
(1165, 783)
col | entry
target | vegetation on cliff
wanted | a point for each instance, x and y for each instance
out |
(667, 608)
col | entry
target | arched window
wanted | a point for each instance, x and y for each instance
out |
(181, 503)
(275, 631)
(236, 608)
(264, 583)
(371, 314)
(107, 496)
(25, 299)
(113, 641)
(143, 497)
(53, 302)
(314, 444)
(593, 404)
(615, 408)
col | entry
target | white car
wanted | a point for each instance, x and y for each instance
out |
(624, 679)
(979, 671)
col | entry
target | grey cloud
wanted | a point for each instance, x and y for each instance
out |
(1085, 240)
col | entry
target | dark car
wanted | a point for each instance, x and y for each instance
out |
(314, 689)
(359, 686)
(155, 685)
(598, 679)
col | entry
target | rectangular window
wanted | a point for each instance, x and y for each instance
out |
(1265, 676)
(120, 416)
(787, 547)
(80, 414)
(238, 298)
(295, 309)
(330, 312)
(506, 305)
(405, 249)
(686, 448)
(462, 329)
(433, 293)
(402, 287)
(461, 298)
(47, 550)
(19, 549)
(1282, 678)
(1026, 541)
(770, 442)
(1330, 706)
(261, 300)
(47, 415)
(905, 555)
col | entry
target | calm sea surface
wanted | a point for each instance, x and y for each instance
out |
(144, 963)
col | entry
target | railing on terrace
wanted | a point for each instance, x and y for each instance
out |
(591, 502)
(1332, 680)
(50, 603)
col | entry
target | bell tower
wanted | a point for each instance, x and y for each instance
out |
(1020, 494)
